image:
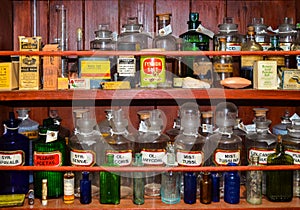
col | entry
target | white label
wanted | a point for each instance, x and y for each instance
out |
(203, 30)
(165, 31)
(121, 158)
(285, 46)
(223, 157)
(126, 66)
(233, 46)
(14, 158)
(82, 158)
(51, 136)
(189, 158)
(207, 128)
(295, 154)
(153, 157)
(262, 154)
(69, 186)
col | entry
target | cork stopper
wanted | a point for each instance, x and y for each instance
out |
(259, 112)
(144, 115)
(165, 16)
(222, 39)
(251, 30)
(207, 114)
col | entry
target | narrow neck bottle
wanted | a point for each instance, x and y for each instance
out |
(138, 182)
(206, 188)
(85, 189)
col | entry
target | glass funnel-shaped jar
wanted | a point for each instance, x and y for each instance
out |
(86, 148)
(287, 33)
(152, 143)
(262, 36)
(120, 144)
(292, 145)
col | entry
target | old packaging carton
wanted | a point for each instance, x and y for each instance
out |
(51, 68)
(265, 75)
(9, 76)
(291, 79)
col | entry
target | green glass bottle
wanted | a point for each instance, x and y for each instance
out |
(279, 183)
(138, 182)
(109, 184)
(49, 150)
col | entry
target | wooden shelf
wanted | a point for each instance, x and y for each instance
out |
(150, 94)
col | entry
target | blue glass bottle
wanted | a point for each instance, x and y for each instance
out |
(14, 151)
(190, 187)
(215, 178)
(85, 188)
(231, 186)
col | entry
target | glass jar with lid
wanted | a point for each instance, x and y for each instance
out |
(287, 33)
(262, 36)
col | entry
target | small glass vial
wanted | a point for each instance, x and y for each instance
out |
(85, 189)
(138, 182)
(69, 196)
(206, 188)
(232, 186)
(254, 183)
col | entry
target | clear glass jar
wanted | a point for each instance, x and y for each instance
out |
(287, 33)
(262, 36)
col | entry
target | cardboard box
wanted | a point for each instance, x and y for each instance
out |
(291, 79)
(51, 68)
(9, 76)
(94, 68)
(80, 83)
(30, 43)
(265, 75)
(29, 73)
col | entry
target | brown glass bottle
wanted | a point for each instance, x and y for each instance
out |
(206, 188)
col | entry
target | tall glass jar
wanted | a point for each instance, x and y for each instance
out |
(229, 30)
(152, 143)
(262, 36)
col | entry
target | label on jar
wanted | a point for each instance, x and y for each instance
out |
(153, 156)
(207, 128)
(203, 69)
(153, 70)
(51, 136)
(189, 158)
(31, 134)
(295, 154)
(279, 59)
(121, 158)
(47, 158)
(261, 153)
(223, 67)
(265, 45)
(69, 186)
(82, 157)
(285, 46)
(126, 66)
(223, 157)
(231, 46)
(12, 158)
(250, 59)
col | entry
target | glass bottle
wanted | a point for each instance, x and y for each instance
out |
(170, 181)
(120, 145)
(215, 178)
(138, 182)
(69, 185)
(151, 142)
(254, 183)
(85, 188)
(29, 128)
(194, 40)
(279, 184)
(229, 30)
(222, 65)
(231, 186)
(281, 128)
(64, 132)
(165, 40)
(292, 145)
(86, 147)
(49, 146)
(190, 187)
(262, 36)
(109, 184)
(247, 61)
(104, 126)
(175, 130)
(206, 188)
(207, 127)
(14, 149)
(296, 45)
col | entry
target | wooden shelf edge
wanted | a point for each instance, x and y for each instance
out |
(150, 94)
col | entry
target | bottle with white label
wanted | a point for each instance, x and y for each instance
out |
(292, 145)
(261, 143)
(120, 144)
(86, 147)
(14, 151)
(151, 143)
(49, 150)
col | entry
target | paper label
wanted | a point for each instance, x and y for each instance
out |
(189, 158)
(51, 136)
(223, 157)
(223, 67)
(95, 69)
(126, 66)
(295, 154)
(47, 158)
(121, 158)
(231, 46)
(153, 157)
(262, 154)
(12, 158)
(69, 186)
(82, 157)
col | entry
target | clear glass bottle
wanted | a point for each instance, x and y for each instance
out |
(229, 30)
(222, 65)
(262, 36)
(170, 180)
(292, 145)
(151, 142)
(86, 147)
(247, 61)
(64, 132)
(109, 184)
(296, 45)
(104, 126)
(69, 185)
(29, 128)
(231, 186)
(281, 128)
(49, 146)
(138, 182)
(14, 149)
(254, 183)
(194, 40)
(206, 188)
(85, 188)
(279, 183)
(120, 143)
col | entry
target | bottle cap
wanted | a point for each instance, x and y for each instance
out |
(207, 114)
(165, 16)
(12, 122)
